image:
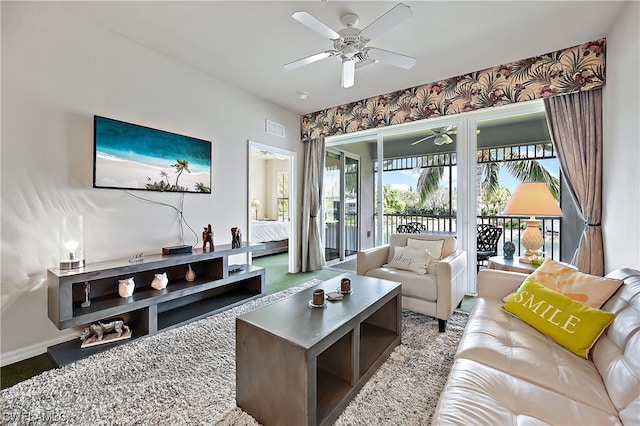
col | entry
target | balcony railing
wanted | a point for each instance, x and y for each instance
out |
(512, 229)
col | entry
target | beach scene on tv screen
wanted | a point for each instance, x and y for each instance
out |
(129, 156)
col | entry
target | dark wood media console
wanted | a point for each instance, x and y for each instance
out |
(148, 310)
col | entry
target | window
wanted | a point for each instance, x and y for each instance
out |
(283, 196)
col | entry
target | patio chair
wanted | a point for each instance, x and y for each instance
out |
(487, 243)
(417, 227)
(404, 229)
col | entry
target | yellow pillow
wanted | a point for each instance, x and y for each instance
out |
(590, 290)
(571, 324)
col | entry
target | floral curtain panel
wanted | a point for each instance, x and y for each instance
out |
(578, 68)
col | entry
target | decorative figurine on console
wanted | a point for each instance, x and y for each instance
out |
(236, 237)
(207, 238)
(100, 333)
(160, 281)
(87, 289)
(126, 287)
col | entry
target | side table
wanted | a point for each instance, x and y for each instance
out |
(515, 265)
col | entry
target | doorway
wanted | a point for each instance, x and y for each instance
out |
(272, 211)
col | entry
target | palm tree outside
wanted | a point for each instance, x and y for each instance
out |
(524, 170)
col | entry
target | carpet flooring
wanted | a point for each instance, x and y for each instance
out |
(187, 376)
(278, 279)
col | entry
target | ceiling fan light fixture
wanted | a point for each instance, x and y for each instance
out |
(348, 73)
(442, 140)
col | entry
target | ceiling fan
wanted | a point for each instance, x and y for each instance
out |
(350, 44)
(441, 136)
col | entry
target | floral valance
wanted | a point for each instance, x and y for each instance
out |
(565, 71)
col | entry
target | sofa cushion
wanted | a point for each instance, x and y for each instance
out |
(413, 285)
(502, 341)
(448, 247)
(432, 247)
(477, 394)
(589, 289)
(572, 324)
(409, 259)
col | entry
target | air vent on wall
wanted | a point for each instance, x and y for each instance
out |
(274, 128)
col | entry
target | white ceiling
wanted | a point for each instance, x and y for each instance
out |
(246, 43)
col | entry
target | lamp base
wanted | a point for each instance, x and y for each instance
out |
(528, 259)
(71, 264)
(532, 238)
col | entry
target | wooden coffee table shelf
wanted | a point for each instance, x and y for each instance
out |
(297, 365)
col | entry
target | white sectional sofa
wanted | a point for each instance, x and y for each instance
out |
(508, 373)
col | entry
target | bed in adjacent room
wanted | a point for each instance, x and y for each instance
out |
(274, 234)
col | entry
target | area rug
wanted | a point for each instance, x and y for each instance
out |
(187, 376)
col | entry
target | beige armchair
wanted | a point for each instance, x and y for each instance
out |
(434, 294)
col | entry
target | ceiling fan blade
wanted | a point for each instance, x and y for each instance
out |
(365, 62)
(348, 73)
(315, 24)
(393, 58)
(423, 139)
(308, 60)
(393, 17)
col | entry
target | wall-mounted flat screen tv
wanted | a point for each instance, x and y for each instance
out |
(129, 156)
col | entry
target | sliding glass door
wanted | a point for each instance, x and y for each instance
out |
(340, 204)
(351, 192)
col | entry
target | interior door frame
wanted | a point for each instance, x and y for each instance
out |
(293, 208)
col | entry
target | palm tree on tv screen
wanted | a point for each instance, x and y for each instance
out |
(181, 166)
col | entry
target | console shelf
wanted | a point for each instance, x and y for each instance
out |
(148, 310)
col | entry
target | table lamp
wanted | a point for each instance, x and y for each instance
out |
(72, 243)
(532, 199)
(256, 205)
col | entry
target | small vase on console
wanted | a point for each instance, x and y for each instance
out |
(190, 276)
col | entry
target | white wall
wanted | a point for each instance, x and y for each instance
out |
(621, 180)
(57, 72)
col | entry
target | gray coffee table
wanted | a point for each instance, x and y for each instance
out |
(297, 365)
